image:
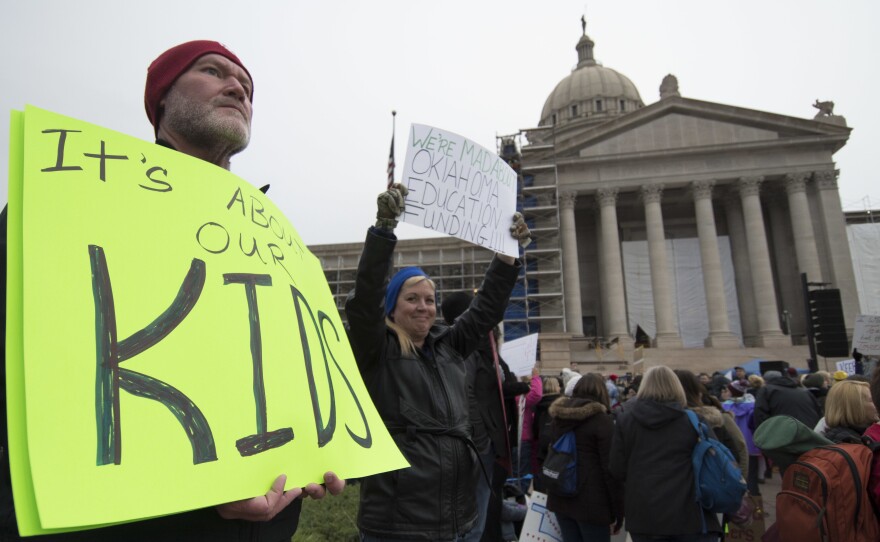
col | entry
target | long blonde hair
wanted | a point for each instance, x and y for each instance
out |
(407, 346)
(662, 385)
(845, 405)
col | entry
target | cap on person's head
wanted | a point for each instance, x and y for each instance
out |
(770, 375)
(792, 372)
(165, 70)
(569, 386)
(840, 375)
(613, 377)
(397, 283)
(738, 388)
(454, 305)
(814, 380)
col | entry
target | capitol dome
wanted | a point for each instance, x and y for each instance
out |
(591, 92)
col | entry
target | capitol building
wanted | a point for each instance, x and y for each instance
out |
(681, 224)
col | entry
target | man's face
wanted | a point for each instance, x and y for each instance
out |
(209, 104)
(740, 373)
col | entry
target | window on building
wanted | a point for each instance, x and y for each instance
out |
(574, 110)
(554, 119)
(622, 105)
(598, 105)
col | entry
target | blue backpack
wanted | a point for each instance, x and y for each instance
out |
(719, 482)
(560, 467)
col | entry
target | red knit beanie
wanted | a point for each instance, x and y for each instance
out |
(165, 70)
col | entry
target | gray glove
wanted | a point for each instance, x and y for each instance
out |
(520, 231)
(390, 205)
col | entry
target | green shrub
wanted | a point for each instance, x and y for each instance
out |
(331, 519)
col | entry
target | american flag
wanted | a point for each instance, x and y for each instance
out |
(391, 164)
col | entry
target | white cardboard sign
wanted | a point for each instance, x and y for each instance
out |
(459, 188)
(521, 354)
(540, 524)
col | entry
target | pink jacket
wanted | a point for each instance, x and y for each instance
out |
(536, 391)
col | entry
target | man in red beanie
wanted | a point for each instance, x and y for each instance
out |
(198, 99)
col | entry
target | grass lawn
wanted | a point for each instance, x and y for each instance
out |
(331, 519)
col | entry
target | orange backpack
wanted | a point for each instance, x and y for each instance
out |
(824, 497)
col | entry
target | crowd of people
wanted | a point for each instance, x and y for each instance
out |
(465, 424)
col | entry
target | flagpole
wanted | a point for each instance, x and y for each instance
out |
(391, 155)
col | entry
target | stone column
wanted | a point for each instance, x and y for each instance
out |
(667, 329)
(571, 276)
(604, 315)
(769, 332)
(713, 282)
(802, 226)
(739, 248)
(840, 259)
(612, 264)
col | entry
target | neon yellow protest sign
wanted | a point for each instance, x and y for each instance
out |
(172, 344)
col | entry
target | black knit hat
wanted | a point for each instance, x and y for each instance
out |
(454, 304)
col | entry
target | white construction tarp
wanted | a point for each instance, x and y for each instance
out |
(864, 244)
(688, 294)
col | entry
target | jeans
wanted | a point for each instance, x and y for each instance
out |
(482, 496)
(578, 531)
(524, 466)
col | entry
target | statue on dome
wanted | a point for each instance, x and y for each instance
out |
(584, 24)
(669, 87)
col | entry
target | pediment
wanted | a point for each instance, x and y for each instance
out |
(679, 124)
(677, 131)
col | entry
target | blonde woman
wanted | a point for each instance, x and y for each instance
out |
(414, 370)
(651, 452)
(849, 411)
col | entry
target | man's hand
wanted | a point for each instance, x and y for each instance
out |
(390, 206)
(266, 507)
(261, 508)
(332, 483)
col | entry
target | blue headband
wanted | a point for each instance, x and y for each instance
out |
(397, 283)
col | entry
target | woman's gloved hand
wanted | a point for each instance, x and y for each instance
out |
(390, 206)
(520, 231)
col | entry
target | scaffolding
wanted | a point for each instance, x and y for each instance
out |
(537, 303)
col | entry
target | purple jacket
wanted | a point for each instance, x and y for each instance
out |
(743, 411)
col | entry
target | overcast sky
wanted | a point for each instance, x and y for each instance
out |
(327, 75)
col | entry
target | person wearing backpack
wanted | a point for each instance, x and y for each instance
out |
(849, 412)
(871, 436)
(651, 451)
(595, 511)
(542, 426)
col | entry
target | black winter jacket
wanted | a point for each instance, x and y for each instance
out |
(422, 399)
(541, 430)
(599, 500)
(845, 435)
(783, 396)
(486, 406)
(197, 525)
(651, 450)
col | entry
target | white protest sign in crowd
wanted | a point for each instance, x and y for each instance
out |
(520, 354)
(459, 188)
(866, 336)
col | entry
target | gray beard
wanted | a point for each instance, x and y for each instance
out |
(199, 124)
